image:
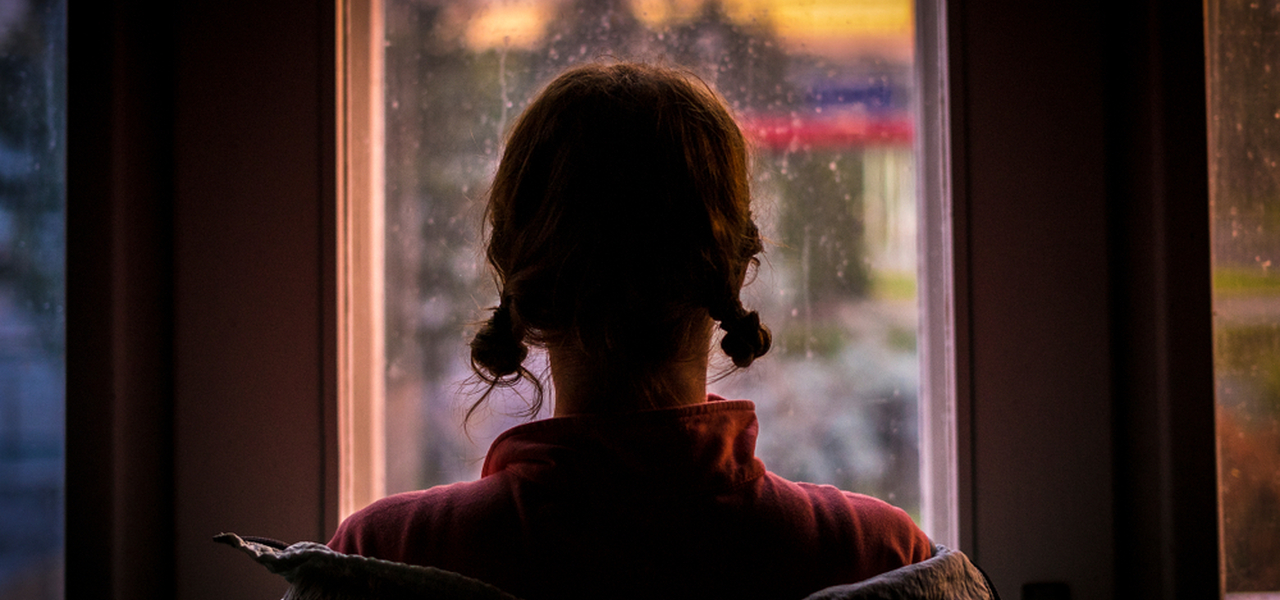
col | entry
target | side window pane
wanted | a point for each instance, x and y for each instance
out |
(32, 109)
(824, 90)
(1244, 84)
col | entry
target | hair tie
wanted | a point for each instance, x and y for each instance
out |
(498, 347)
(745, 338)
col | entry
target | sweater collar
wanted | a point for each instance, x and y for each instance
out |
(706, 447)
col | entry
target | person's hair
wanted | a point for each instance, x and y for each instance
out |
(619, 220)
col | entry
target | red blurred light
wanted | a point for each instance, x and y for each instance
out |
(785, 132)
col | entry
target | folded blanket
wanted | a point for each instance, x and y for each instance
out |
(315, 572)
(949, 575)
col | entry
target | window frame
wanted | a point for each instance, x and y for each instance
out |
(362, 447)
(943, 452)
(361, 223)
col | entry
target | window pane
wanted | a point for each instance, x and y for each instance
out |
(1244, 101)
(825, 92)
(32, 109)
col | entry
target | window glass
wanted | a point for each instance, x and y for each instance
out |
(32, 117)
(1244, 108)
(824, 90)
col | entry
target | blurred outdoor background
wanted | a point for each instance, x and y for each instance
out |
(824, 90)
(1244, 147)
(32, 251)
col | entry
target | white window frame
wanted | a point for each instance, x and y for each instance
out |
(940, 421)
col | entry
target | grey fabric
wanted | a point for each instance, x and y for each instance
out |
(317, 573)
(949, 575)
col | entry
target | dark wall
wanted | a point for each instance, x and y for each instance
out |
(1034, 188)
(1081, 176)
(120, 447)
(200, 312)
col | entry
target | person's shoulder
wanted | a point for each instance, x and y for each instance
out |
(875, 526)
(381, 527)
(405, 505)
(863, 504)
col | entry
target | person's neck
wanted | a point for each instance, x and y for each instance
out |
(582, 389)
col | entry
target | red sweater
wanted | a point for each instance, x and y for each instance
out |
(662, 503)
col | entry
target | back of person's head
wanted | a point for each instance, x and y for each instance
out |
(619, 222)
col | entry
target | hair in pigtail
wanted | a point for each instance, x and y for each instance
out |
(745, 337)
(498, 351)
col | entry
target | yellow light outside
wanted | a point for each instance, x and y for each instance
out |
(883, 27)
(796, 19)
(831, 19)
(817, 24)
(661, 12)
(514, 24)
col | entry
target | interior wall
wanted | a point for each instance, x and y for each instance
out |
(200, 292)
(119, 411)
(253, 284)
(1034, 192)
(1166, 537)
(1082, 176)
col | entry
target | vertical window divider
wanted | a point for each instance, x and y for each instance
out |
(361, 437)
(940, 448)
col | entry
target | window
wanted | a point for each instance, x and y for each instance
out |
(1243, 39)
(32, 250)
(827, 92)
